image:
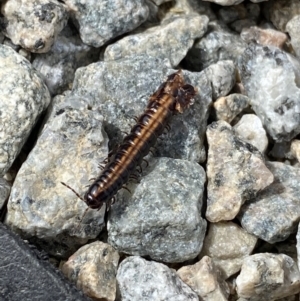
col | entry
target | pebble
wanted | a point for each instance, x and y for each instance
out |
(4, 191)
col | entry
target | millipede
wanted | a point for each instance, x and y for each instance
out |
(173, 96)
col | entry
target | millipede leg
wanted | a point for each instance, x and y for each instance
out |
(124, 187)
(74, 191)
(147, 163)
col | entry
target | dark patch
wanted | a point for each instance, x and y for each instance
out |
(39, 44)
(242, 145)
(286, 105)
(278, 61)
(219, 179)
(59, 112)
(105, 252)
(3, 23)
(46, 13)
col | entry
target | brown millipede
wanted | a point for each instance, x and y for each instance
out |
(171, 97)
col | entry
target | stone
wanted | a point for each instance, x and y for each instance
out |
(228, 107)
(172, 40)
(293, 27)
(203, 277)
(236, 172)
(227, 244)
(274, 98)
(161, 218)
(268, 276)
(93, 268)
(4, 192)
(34, 25)
(139, 279)
(68, 149)
(250, 129)
(99, 22)
(226, 2)
(295, 149)
(24, 97)
(274, 213)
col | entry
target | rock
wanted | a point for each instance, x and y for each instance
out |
(101, 21)
(93, 268)
(274, 98)
(228, 107)
(235, 170)
(295, 149)
(274, 213)
(171, 40)
(268, 276)
(250, 129)
(68, 150)
(204, 279)
(227, 245)
(34, 25)
(138, 279)
(293, 27)
(162, 217)
(281, 150)
(4, 191)
(218, 44)
(24, 276)
(24, 97)
(58, 65)
(226, 2)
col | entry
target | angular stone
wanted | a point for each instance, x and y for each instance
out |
(268, 276)
(295, 149)
(203, 277)
(4, 191)
(93, 268)
(162, 217)
(293, 27)
(226, 2)
(235, 170)
(228, 244)
(34, 25)
(275, 212)
(171, 40)
(139, 279)
(24, 97)
(274, 98)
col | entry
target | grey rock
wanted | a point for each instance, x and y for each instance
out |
(26, 277)
(4, 191)
(274, 213)
(293, 27)
(281, 150)
(298, 246)
(122, 92)
(228, 107)
(34, 25)
(101, 21)
(93, 268)
(171, 40)
(204, 278)
(227, 244)
(159, 2)
(268, 277)
(138, 279)
(24, 97)
(162, 217)
(239, 25)
(274, 98)
(58, 65)
(226, 2)
(250, 129)
(217, 44)
(235, 170)
(68, 150)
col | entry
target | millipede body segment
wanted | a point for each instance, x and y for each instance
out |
(172, 96)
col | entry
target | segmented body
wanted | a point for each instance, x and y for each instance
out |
(172, 96)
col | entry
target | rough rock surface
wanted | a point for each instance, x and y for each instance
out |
(162, 217)
(4, 191)
(34, 25)
(275, 212)
(293, 27)
(295, 149)
(235, 170)
(23, 98)
(100, 21)
(138, 279)
(93, 268)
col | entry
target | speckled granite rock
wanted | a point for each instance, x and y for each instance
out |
(274, 98)
(58, 65)
(138, 279)
(228, 244)
(93, 268)
(170, 40)
(101, 21)
(4, 191)
(228, 107)
(34, 25)
(122, 92)
(293, 27)
(235, 170)
(68, 150)
(203, 277)
(26, 277)
(268, 277)
(250, 129)
(23, 98)
(218, 43)
(162, 216)
(275, 212)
